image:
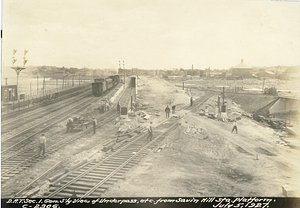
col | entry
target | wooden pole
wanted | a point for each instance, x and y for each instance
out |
(44, 87)
(37, 84)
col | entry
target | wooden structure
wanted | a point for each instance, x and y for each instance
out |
(9, 93)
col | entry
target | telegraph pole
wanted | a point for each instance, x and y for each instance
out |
(124, 73)
(223, 95)
(263, 85)
(44, 83)
(192, 70)
(37, 85)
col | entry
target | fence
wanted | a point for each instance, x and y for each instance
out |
(34, 99)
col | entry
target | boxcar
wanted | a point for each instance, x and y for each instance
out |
(97, 88)
(115, 79)
(109, 83)
(100, 85)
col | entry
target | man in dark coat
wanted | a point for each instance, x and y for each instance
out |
(42, 145)
(167, 110)
(173, 108)
(118, 108)
(69, 124)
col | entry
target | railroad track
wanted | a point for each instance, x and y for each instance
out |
(93, 178)
(16, 113)
(200, 101)
(25, 157)
(22, 119)
(13, 143)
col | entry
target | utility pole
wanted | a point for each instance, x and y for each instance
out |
(124, 79)
(223, 95)
(192, 70)
(44, 87)
(219, 106)
(37, 85)
(263, 88)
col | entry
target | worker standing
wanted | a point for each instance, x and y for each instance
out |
(192, 101)
(234, 127)
(118, 108)
(173, 108)
(167, 110)
(150, 132)
(107, 106)
(69, 124)
(42, 145)
(94, 125)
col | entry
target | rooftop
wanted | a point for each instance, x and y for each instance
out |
(242, 65)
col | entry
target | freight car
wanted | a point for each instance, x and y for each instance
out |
(102, 85)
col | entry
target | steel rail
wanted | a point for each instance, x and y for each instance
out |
(61, 142)
(38, 178)
(127, 161)
(32, 108)
(52, 147)
(9, 124)
(94, 166)
(41, 124)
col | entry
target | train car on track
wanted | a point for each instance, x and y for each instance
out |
(109, 83)
(100, 86)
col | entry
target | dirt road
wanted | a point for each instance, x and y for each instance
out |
(203, 158)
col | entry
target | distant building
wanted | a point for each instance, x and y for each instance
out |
(266, 74)
(242, 70)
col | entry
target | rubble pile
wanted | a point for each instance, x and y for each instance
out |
(143, 114)
(141, 105)
(275, 124)
(192, 130)
(123, 128)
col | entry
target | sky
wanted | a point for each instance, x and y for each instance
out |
(151, 34)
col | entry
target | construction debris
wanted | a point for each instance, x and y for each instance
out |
(192, 130)
(143, 114)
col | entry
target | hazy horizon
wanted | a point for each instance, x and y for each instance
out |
(148, 34)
